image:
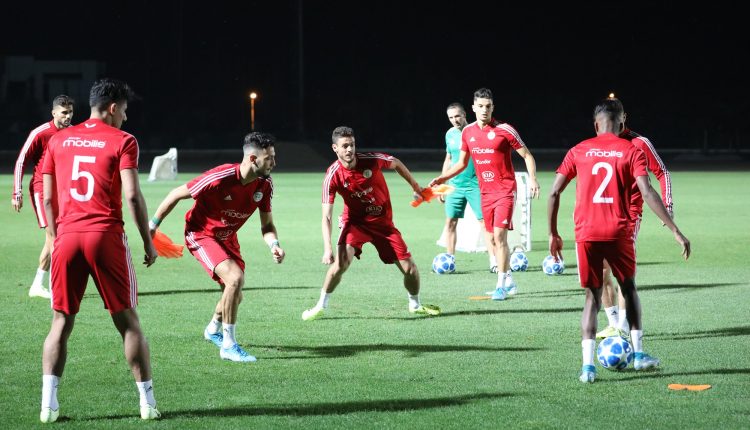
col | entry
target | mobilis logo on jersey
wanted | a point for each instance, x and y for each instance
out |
(234, 214)
(482, 150)
(594, 152)
(83, 143)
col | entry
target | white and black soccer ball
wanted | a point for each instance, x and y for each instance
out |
(518, 262)
(614, 353)
(552, 267)
(444, 263)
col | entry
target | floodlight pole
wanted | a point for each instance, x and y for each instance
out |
(253, 96)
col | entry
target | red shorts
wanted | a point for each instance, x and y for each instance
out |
(620, 255)
(497, 211)
(37, 202)
(210, 252)
(103, 255)
(386, 239)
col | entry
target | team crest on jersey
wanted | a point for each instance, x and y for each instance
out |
(346, 184)
(367, 173)
(257, 196)
(491, 135)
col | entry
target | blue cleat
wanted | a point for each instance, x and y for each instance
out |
(643, 361)
(512, 290)
(236, 353)
(499, 294)
(215, 338)
(588, 374)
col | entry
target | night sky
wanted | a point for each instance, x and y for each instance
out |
(388, 69)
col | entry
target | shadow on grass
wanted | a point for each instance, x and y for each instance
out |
(445, 314)
(656, 287)
(632, 374)
(338, 351)
(323, 409)
(553, 293)
(216, 290)
(719, 332)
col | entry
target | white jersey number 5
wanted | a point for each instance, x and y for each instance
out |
(82, 174)
(607, 177)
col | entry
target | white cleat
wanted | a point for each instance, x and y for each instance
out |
(49, 415)
(312, 314)
(37, 290)
(149, 412)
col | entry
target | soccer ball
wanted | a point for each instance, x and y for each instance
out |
(552, 267)
(518, 262)
(614, 353)
(444, 263)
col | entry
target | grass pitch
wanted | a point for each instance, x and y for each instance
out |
(369, 363)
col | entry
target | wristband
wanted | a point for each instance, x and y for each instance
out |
(273, 243)
(154, 223)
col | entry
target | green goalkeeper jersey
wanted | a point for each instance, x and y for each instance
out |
(467, 178)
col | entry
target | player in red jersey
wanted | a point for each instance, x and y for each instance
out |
(225, 197)
(617, 319)
(607, 167)
(489, 143)
(32, 154)
(367, 217)
(87, 169)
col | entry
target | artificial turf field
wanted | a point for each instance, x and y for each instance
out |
(369, 363)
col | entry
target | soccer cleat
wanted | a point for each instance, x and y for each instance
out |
(607, 332)
(493, 269)
(588, 374)
(37, 290)
(215, 338)
(430, 310)
(149, 412)
(49, 415)
(643, 361)
(236, 353)
(312, 314)
(499, 294)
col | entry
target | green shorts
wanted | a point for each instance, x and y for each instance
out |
(455, 202)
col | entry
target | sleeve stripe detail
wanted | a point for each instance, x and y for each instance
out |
(667, 176)
(327, 181)
(511, 130)
(210, 178)
(379, 155)
(18, 171)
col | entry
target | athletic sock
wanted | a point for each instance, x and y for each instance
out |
(622, 320)
(49, 391)
(323, 301)
(636, 337)
(214, 326)
(508, 279)
(612, 315)
(501, 279)
(228, 332)
(587, 347)
(146, 390)
(493, 260)
(39, 278)
(414, 301)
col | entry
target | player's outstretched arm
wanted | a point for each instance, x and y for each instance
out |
(651, 197)
(326, 227)
(131, 190)
(166, 206)
(463, 161)
(404, 172)
(553, 207)
(268, 230)
(531, 169)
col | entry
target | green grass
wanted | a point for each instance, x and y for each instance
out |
(369, 363)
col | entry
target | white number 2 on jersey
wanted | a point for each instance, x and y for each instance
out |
(81, 174)
(607, 177)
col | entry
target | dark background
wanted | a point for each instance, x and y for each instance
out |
(388, 69)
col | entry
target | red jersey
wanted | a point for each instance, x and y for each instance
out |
(490, 148)
(32, 153)
(86, 160)
(656, 166)
(363, 188)
(606, 167)
(223, 203)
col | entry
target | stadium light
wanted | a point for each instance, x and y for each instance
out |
(253, 96)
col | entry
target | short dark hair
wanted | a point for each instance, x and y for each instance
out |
(62, 100)
(342, 131)
(456, 105)
(483, 93)
(256, 140)
(106, 91)
(611, 107)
